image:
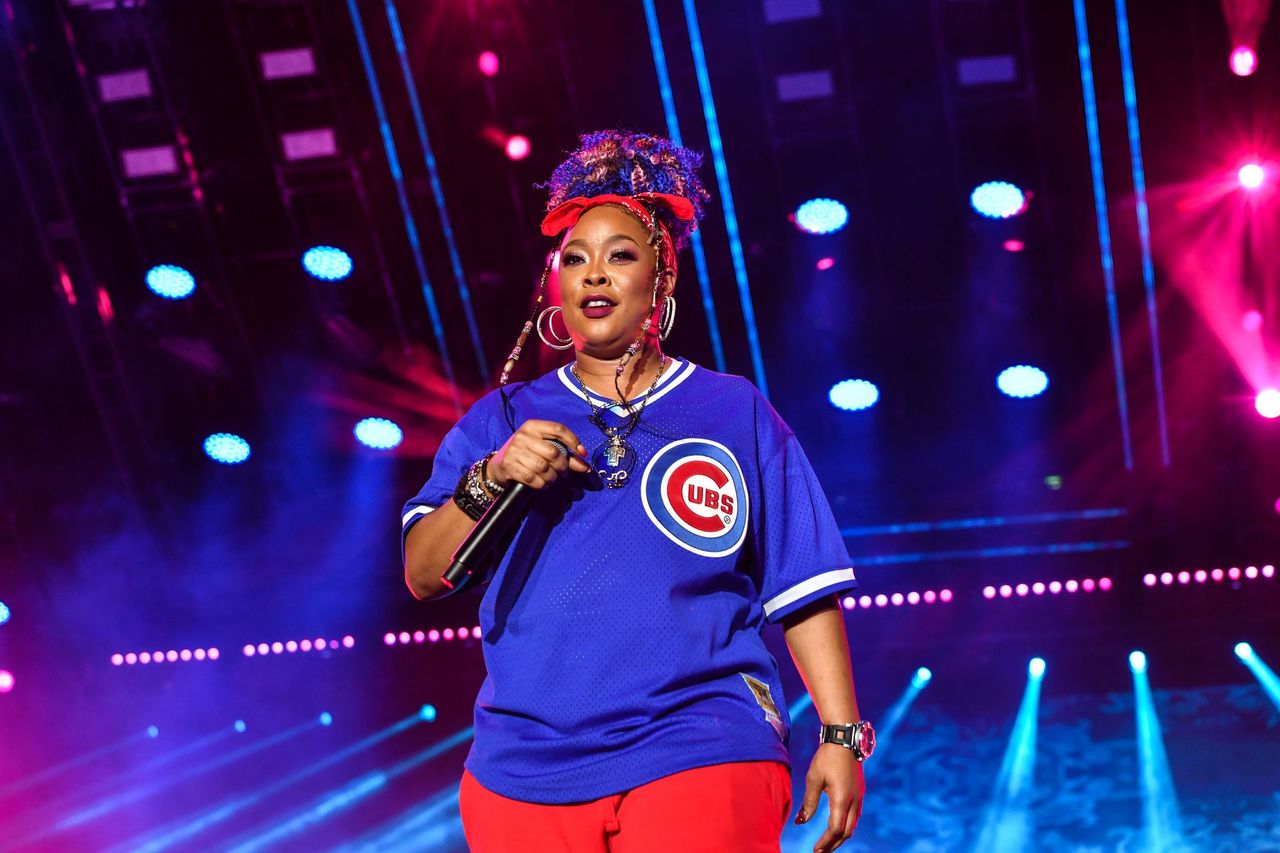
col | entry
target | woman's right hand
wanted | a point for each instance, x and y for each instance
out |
(528, 457)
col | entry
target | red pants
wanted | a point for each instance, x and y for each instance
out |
(740, 806)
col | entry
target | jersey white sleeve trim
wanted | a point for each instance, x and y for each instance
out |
(678, 373)
(414, 513)
(808, 587)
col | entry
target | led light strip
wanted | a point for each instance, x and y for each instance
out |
(435, 635)
(319, 644)
(1022, 590)
(1186, 576)
(171, 656)
(897, 599)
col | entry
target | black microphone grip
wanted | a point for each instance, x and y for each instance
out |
(502, 517)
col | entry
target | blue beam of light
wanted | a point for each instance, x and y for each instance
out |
(1265, 675)
(335, 802)
(435, 825)
(982, 521)
(72, 763)
(726, 194)
(188, 827)
(1104, 227)
(1144, 222)
(1007, 824)
(673, 130)
(1161, 820)
(136, 793)
(402, 195)
(888, 724)
(987, 553)
(428, 154)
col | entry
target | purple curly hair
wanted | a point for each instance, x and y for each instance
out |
(625, 163)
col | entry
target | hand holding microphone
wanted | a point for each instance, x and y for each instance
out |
(535, 455)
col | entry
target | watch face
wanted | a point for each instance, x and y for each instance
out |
(865, 738)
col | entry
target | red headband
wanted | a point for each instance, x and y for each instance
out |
(567, 213)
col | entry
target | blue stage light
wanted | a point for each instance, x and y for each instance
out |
(170, 281)
(326, 719)
(854, 395)
(379, 433)
(1137, 662)
(153, 731)
(998, 200)
(226, 448)
(428, 713)
(1244, 651)
(1022, 381)
(327, 263)
(4, 613)
(240, 726)
(1035, 668)
(821, 216)
(923, 676)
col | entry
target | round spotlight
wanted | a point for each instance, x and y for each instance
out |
(378, 433)
(825, 264)
(924, 675)
(488, 63)
(153, 731)
(1251, 320)
(427, 712)
(170, 281)
(240, 726)
(326, 719)
(1268, 403)
(998, 200)
(1022, 381)
(1243, 61)
(1014, 246)
(5, 613)
(327, 263)
(1244, 651)
(226, 448)
(854, 395)
(1035, 667)
(821, 216)
(517, 147)
(6, 681)
(1251, 176)
(1137, 661)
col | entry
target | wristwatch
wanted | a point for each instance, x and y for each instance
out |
(859, 737)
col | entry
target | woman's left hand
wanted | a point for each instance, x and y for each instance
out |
(835, 770)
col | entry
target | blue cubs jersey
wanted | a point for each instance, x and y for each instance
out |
(622, 628)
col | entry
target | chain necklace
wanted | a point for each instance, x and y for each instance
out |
(615, 458)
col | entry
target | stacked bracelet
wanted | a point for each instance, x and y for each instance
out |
(470, 494)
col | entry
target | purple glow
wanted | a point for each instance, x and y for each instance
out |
(826, 263)
(1243, 61)
(488, 63)
(1251, 320)
(518, 147)
(6, 681)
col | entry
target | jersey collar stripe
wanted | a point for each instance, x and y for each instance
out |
(832, 578)
(414, 513)
(670, 379)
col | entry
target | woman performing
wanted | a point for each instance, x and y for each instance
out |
(631, 704)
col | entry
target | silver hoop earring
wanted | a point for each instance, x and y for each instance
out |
(668, 317)
(549, 336)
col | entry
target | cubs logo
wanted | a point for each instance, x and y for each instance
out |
(694, 491)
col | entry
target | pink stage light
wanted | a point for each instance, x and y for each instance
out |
(1217, 574)
(1014, 245)
(447, 633)
(305, 645)
(882, 600)
(145, 657)
(488, 63)
(117, 659)
(1006, 591)
(199, 654)
(1201, 576)
(929, 596)
(1037, 588)
(945, 596)
(1166, 578)
(1268, 403)
(1071, 586)
(1251, 320)
(1251, 572)
(263, 648)
(913, 598)
(185, 654)
(1234, 573)
(849, 602)
(988, 592)
(1055, 587)
(1021, 589)
(475, 633)
(419, 636)
(131, 658)
(214, 653)
(1243, 61)
(464, 633)
(277, 647)
(1251, 176)
(389, 638)
(1184, 577)
(348, 642)
(1104, 584)
(1149, 580)
(865, 601)
(433, 635)
(517, 147)
(404, 639)
(896, 599)
(6, 681)
(291, 646)
(826, 263)
(1268, 571)
(333, 644)
(1088, 585)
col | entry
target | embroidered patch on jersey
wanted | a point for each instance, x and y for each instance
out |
(694, 491)
(764, 698)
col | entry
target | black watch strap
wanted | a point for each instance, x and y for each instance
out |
(857, 737)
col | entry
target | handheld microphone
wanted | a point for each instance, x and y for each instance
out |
(502, 517)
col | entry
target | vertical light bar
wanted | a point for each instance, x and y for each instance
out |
(1007, 824)
(397, 175)
(673, 130)
(898, 710)
(1161, 823)
(1104, 228)
(1144, 222)
(1266, 676)
(428, 153)
(726, 194)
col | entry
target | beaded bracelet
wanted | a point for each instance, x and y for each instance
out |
(470, 495)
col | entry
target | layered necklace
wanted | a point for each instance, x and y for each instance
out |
(615, 458)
